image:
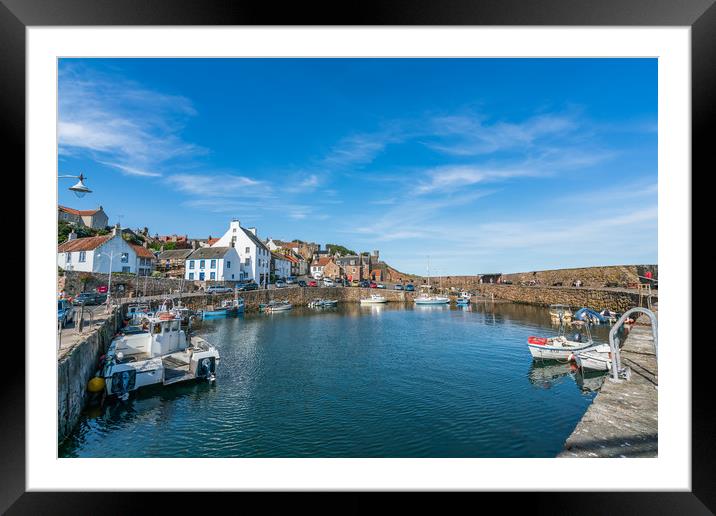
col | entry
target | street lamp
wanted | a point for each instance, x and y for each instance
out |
(109, 282)
(79, 189)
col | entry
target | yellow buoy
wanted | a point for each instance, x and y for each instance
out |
(96, 384)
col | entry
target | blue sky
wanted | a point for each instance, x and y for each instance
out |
(484, 165)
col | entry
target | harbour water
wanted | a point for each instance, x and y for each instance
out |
(357, 381)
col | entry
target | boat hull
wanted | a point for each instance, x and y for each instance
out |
(548, 352)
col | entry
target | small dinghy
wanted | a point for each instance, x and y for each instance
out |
(228, 308)
(323, 303)
(463, 299)
(560, 313)
(589, 315)
(373, 299)
(596, 358)
(275, 306)
(561, 347)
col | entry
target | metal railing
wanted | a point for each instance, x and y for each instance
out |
(614, 339)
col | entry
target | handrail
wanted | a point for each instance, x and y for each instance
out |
(614, 341)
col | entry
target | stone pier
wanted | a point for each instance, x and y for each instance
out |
(623, 419)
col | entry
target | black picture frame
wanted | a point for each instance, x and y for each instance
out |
(16, 15)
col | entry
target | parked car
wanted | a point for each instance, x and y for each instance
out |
(251, 285)
(328, 282)
(290, 280)
(398, 286)
(365, 284)
(102, 289)
(89, 298)
(380, 285)
(313, 283)
(65, 312)
(218, 289)
(373, 284)
(301, 283)
(409, 288)
(355, 283)
(280, 284)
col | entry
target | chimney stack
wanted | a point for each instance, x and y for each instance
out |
(115, 229)
(253, 230)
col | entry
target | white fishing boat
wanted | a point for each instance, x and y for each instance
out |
(561, 347)
(373, 300)
(276, 306)
(560, 313)
(463, 299)
(161, 355)
(596, 358)
(323, 303)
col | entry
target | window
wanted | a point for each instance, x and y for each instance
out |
(212, 275)
(125, 258)
(248, 250)
(228, 264)
(246, 261)
(191, 263)
(201, 276)
(232, 276)
(68, 258)
(125, 268)
(201, 264)
(82, 256)
(191, 275)
(213, 264)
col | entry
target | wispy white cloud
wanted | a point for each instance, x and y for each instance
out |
(120, 123)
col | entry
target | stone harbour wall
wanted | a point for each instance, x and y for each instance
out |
(617, 300)
(74, 282)
(596, 277)
(76, 368)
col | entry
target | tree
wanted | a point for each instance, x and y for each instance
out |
(342, 251)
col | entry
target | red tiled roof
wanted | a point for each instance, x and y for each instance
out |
(212, 241)
(77, 212)
(142, 251)
(82, 244)
(322, 262)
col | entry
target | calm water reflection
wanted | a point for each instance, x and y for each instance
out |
(357, 381)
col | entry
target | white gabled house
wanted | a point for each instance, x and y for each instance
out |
(100, 253)
(213, 264)
(280, 266)
(255, 256)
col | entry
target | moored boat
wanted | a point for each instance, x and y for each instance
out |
(560, 313)
(276, 306)
(560, 347)
(323, 303)
(374, 299)
(164, 354)
(596, 358)
(228, 308)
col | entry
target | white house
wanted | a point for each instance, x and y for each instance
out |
(214, 264)
(96, 218)
(255, 256)
(318, 265)
(100, 253)
(280, 266)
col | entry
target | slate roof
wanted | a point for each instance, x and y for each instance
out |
(208, 253)
(175, 254)
(254, 239)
